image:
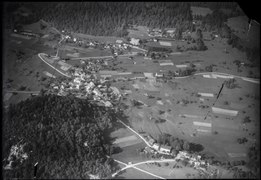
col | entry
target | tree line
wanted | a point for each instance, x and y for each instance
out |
(107, 18)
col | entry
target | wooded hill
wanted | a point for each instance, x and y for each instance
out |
(67, 136)
(105, 18)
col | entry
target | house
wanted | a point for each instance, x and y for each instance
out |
(77, 80)
(156, 146)
(90, 86)
(119, 41)
(170, 31)
(166, 149)
(107, 104)
(135, 41)
(151, 141)
(96, 92)
(159, 74)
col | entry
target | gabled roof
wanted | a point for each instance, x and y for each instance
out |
(165, 147)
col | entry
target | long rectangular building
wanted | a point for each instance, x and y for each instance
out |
(202, 124)
(224, 111)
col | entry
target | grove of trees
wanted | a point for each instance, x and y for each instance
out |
(179, 144)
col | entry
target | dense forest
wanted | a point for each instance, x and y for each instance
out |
(68, 137)
(105, 18)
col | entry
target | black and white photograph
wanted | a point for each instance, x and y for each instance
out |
(130, 90)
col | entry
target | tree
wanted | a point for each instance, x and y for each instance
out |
(199, 34)
(186, 146)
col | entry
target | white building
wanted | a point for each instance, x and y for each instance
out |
(135, 42)
(156, 146)
(90, 86)
(77, 80)
(119, 41)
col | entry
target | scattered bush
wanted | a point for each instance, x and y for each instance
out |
(22, 88)
(226, 103)
(247, 119)
(230, 84)
(242, 140)
(209, 68)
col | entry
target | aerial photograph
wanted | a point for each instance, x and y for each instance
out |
(130, 90)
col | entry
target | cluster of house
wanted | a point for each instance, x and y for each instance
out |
(117, 47)
(87, 86)
(26, 33)
(194, 160)
(157, 32)
(158, 147)
(16, 152)
(93, 65)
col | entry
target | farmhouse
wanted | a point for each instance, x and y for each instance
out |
(164, 43)
(166, 149)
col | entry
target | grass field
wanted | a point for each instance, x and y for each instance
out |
(132, 173)
(203, 11)
(184, 128)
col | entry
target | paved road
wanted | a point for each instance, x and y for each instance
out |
(98, 57)
(253, 80)
(144, 162)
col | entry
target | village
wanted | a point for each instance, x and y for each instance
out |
(164, 85)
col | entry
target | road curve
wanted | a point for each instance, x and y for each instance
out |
(39, 55)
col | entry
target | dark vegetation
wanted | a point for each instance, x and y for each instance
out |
(105, 18)
(179, 144)
(68, 137)
(231, 84)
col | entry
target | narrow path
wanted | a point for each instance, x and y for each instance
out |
(25, 92)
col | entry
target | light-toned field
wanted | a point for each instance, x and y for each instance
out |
(132, 173)
(167, 171)
(140, 32)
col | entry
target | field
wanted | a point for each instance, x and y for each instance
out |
(167, 98)
(240, 27)
(22, 66)
(203, 11)
(138, 32)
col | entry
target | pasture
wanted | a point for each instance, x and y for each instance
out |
(203, 11)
